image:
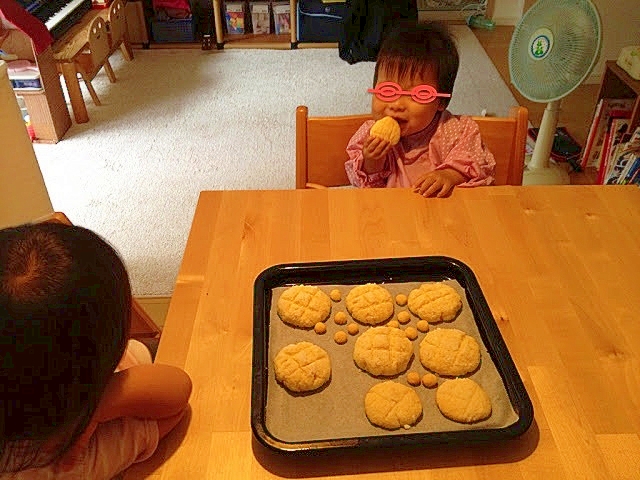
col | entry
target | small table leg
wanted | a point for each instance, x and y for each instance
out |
(75, 94)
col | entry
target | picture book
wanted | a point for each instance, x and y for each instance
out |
(260, 18)
(625, 161)
(617, 135)
(235, 18)
(281, 18)
(606, 109)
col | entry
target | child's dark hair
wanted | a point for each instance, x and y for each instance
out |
(65, 305)
(410, 49)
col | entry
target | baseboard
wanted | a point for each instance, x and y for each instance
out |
(156, 307)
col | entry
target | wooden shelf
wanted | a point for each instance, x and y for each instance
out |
(257, 41)
(283, 41)
(617, 83)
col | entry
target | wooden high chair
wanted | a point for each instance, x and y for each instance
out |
(321, 146)
(95, 56)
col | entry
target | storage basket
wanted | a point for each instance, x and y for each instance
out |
(320, 22)
(174, 30)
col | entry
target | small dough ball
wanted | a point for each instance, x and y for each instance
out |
(320, 328)
(411, 333)
(353, 328)
(401, 299)
(340, 318)
(335, 295)
(404, 317)
(392, 405)
(429, 380)
(387, 128)
(422, 326)
(413, 378)
(393, 324)
(302, 367)
(340, 337)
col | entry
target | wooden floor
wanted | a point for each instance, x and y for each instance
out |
(576, 109)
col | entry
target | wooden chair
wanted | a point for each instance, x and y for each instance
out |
(95, 56)
(321, 146)
(117, 26)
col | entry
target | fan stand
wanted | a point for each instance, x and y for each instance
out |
(539, 171)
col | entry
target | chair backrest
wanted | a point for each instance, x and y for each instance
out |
(117, 23)
(321, 146)
(98, 49)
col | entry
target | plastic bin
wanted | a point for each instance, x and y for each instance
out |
(320, 22)
(174, 30)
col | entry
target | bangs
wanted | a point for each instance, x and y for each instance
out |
(404, 68)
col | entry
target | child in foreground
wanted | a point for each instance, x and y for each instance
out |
(65, 303)
(414, 77)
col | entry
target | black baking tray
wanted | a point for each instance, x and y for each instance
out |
(388, 270)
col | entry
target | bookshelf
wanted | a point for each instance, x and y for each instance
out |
(273, 41)
(617, 83)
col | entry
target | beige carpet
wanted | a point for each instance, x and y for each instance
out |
(181, 121)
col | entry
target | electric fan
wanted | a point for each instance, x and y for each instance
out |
(553, 49)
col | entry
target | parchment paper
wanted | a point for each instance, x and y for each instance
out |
(337, 410)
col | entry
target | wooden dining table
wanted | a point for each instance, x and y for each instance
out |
(559, 267)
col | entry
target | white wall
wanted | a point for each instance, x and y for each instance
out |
(620, 26)
(507, 12)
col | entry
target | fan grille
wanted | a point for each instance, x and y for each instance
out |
(575, 29)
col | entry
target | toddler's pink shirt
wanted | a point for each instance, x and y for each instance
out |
(450, 141)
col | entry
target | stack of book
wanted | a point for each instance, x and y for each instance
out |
(624, 164)
(610, 143)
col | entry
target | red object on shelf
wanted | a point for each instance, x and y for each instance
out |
(100, 4)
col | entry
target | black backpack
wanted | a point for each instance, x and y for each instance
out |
(366, 23)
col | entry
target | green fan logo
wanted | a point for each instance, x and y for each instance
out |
(540, 44)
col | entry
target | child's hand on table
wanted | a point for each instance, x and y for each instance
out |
(438, 183)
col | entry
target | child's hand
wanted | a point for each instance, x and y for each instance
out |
(438, 183)
(374, 153)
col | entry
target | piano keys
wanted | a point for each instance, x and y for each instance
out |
(57, 15)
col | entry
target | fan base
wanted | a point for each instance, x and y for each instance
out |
(551, 175)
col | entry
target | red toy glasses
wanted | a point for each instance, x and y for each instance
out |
(391, 91)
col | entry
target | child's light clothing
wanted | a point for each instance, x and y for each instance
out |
(136, 353)
(450, 141)
(113, 447)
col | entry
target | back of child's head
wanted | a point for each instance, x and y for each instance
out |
(410, 49)
(65, 303)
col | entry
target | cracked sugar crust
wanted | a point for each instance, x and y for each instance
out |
(450, 352)
(383, 351)
(392, 405)
(370, 304)
(302, 367)
(435, 302)
(463, 400)
(303, 306)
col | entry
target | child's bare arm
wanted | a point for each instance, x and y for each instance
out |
(145, 391)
